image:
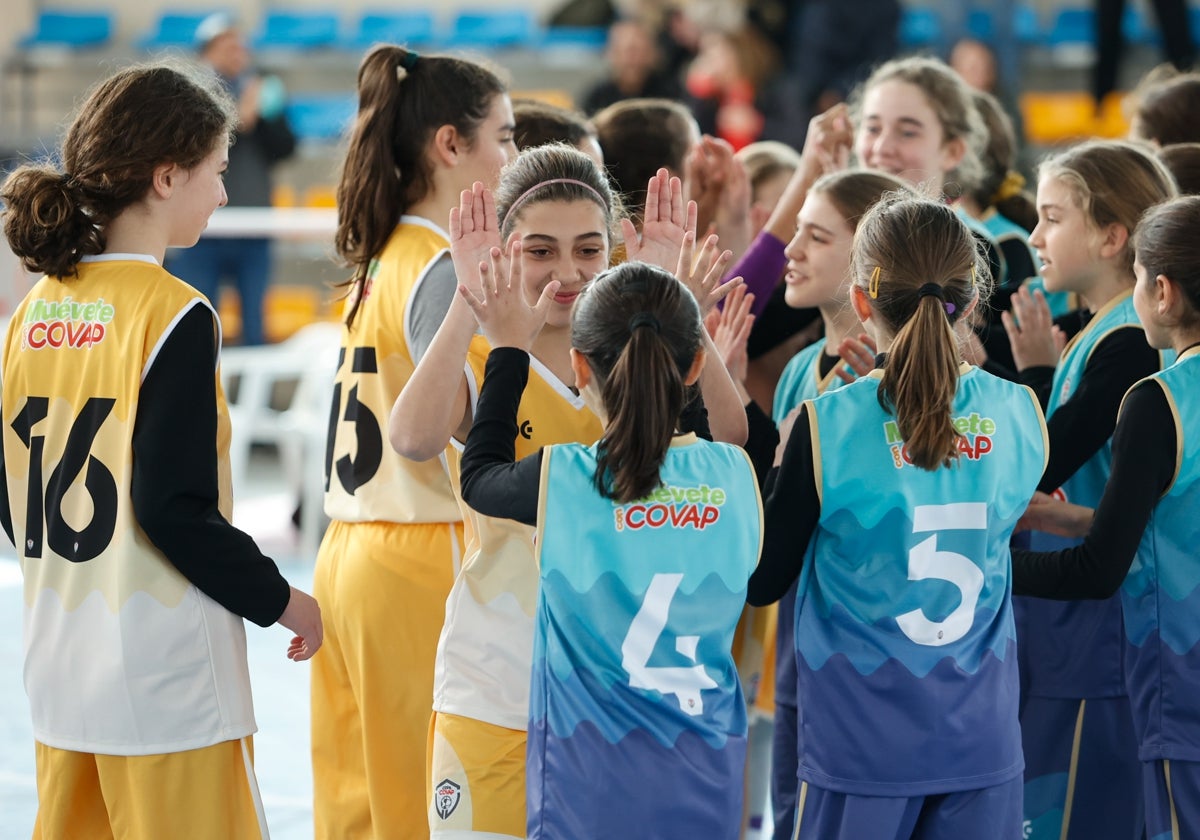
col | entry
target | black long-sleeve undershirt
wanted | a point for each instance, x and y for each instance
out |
(1143, 467)
(1081, 426)
(492, 481)
(174, 483)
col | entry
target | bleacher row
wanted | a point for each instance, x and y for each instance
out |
(1065, 35)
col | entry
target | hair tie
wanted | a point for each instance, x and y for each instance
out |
(938, 291)
(1012, 185)
(407, 62)
(873, 284)
(512, 208)
(643, 319)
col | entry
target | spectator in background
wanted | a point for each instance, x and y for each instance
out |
(835, 45)
(262, 139)
(725, 80)
(634, 69)
(1002, 48)
(1173, 23)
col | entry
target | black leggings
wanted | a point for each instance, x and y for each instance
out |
(1176, 31)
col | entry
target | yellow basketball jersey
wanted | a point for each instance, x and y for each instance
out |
(485, 654)
(366, 480)
(123, 655)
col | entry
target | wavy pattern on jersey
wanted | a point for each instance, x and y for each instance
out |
(583, 681)
(838, 615)
(904, 735)
(1162, 588)
(645, 789)
(1163, 686)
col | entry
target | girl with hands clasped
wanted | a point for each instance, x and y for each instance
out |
(907, 692)
(1142, 540)
(1074, 698)
(645, 541)
(116, 487)
(556, 213)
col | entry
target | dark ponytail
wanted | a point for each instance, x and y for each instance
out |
(919, 286)
(403, 99)
(640, 330)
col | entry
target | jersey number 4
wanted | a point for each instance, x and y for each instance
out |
(685, 683)
(927, 562)
(45, 500)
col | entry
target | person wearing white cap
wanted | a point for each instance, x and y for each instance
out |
(263, 138)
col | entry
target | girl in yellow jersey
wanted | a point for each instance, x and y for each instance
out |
(115, 449)
(426, 128)
(558, 214)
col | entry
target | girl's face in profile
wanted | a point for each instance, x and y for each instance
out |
(818, 255)
(565, 241)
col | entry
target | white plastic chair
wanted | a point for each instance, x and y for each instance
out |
(309, 361)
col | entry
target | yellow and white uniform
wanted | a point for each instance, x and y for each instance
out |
(383, 571)
(485, 654)
(137, 680)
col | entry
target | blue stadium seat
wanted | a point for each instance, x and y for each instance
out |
(1137, 29)
(296, 30)
(1073, 25)
(321, 117)
(584, 37)
(486, 28)
(409, 28)
(63, 29)
(174, 29)
(919, 27)
(982, 26)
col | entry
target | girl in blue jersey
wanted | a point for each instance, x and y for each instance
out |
(1141, 541)
(903, 488)
(645, 542)
(1080, 752)
(818, 275)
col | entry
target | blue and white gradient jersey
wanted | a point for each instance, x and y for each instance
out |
(904, 630)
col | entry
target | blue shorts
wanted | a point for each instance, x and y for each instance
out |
(991, 813)
(1172, 791)
(1081, 769)
(784, 763)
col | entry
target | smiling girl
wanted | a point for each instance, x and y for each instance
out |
(557, 212)
(1082, 774)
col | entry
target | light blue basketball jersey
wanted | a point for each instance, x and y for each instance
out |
(801, 380)
(1161, 593)
(904, 630)
(637, 721)
(1078, 643)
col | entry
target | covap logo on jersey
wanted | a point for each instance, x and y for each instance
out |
(672, 507)
(974, 438)
(66, 323)
(445, 797)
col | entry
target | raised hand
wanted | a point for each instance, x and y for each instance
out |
(474, 233)
(504, 316)
(730, 328)
(664, 223)
(1035, 341)
(703, 276)
(829, 141)
(859, 353)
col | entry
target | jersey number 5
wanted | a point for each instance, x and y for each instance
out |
(76, 546)
(926, 562)
(354, 472)
(648, 625)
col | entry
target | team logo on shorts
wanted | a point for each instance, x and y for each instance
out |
(445, 797)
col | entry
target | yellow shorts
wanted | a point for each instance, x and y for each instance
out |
(477, 779)
(205, 794)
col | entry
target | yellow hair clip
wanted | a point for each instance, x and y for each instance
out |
(873, 285)
(974, 282)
